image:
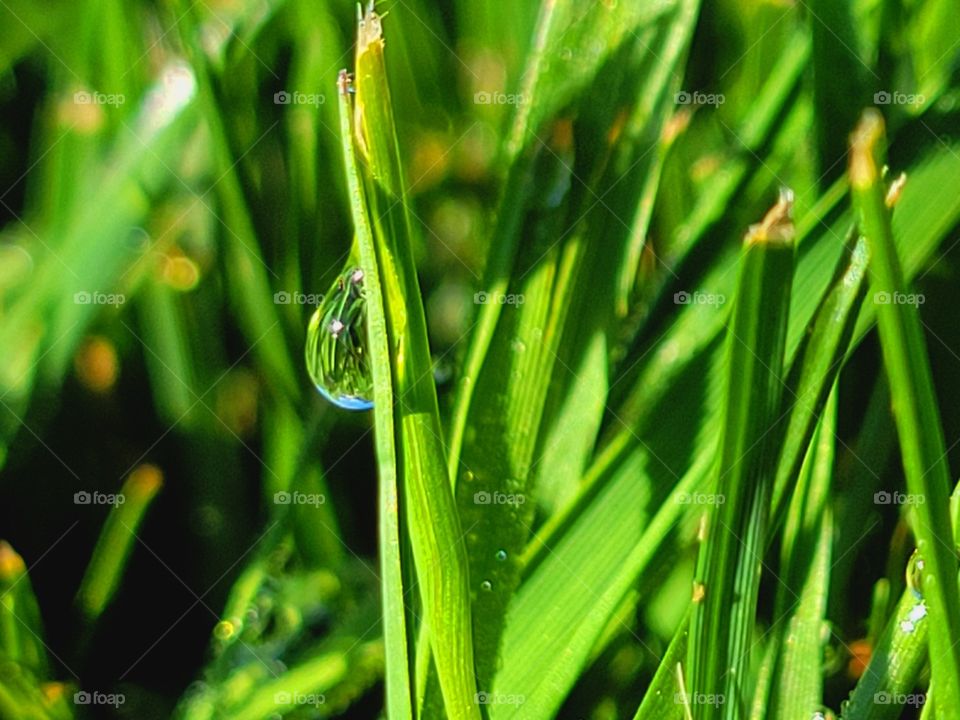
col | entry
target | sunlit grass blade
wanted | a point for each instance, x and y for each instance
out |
(116, 541)
(396, 634)
(915, 409)
(21, 628)
(431, 515)
(733, 533)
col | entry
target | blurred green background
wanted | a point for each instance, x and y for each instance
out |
(171, 197)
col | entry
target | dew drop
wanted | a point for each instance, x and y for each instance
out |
(566, 54)
(224, 630)
(486, 586)
(336, 351)
(501, 555)
(518, 345)
(914, 574)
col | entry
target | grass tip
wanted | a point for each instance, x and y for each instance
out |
(777, 226)
(865, 147)
(11, 564)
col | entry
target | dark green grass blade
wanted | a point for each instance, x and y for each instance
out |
(733, 540)
(915, 410)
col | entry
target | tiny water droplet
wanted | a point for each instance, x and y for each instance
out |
(566, 54)
(518, 345)
(224, 630)
(486, 586)
(914, 574)
(501, 555)
(468, 476)
(336, 351)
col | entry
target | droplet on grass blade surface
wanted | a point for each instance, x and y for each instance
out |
(336, 352)
(914, 574)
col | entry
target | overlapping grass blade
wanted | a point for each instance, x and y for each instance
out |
(915, 410)
(397, 330)
(733, 533)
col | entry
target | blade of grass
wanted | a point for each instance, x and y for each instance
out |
(116, 541)
(915, 410)
(727, 578)
(434, 526)
(21, 628)
(395, 631)
(801, 603)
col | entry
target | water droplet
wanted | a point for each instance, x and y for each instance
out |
(486, 586)
(518, 345)
(914, 574)
(224, 630)
(336, 352)
(566, 54)
(501, 555)
(468, 476)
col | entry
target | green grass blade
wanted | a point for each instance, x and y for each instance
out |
(395, 631)
(915, 410)
(805, 582)
(434, 526)
(21, 627)
(116, 541)
(727, 578)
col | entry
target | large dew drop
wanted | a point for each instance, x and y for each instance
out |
(336, 353)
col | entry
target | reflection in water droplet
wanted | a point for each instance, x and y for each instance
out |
(486, 585)
(501, 555)
(914, 574)
(336, 352)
